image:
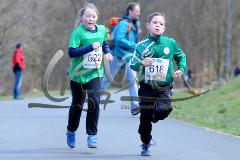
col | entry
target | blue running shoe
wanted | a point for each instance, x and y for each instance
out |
(146, 150)
(71, 139)
(92, 141)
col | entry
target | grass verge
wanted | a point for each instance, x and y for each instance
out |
(218, 109)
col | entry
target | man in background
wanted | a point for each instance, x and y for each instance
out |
(18, 65)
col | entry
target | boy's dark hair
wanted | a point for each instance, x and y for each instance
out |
(18, 45)
(150, 17)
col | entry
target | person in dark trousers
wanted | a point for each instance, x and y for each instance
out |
(87, 46)
(236, 71)
(153, 59)
(18, 66)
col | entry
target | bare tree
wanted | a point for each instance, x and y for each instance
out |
(45, 26)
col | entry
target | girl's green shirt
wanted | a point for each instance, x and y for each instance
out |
(81, 37)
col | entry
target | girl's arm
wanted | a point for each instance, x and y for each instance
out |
(76, 52)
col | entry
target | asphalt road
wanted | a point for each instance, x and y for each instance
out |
(39, 134)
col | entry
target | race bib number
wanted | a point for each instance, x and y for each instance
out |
(93, 59)
(157, 71)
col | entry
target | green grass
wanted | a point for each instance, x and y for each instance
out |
(218, 109)
(34, 94)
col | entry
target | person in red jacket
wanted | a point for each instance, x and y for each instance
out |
(18, 66)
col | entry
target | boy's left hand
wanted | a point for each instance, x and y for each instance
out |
(178, 74)
(108, 57)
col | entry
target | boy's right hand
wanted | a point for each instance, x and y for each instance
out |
(147, 62)
(96, 45)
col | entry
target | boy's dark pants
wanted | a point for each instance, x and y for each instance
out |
(152, 109)
(78, 98)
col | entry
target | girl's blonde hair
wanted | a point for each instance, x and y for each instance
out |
(156, 14)
(83, 9)
(88, 5)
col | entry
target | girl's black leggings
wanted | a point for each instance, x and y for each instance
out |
(79, 92)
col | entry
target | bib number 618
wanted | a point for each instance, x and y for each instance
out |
(157, 68)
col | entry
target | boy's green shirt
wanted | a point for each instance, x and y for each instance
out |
(158, 47)
(81, 37)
